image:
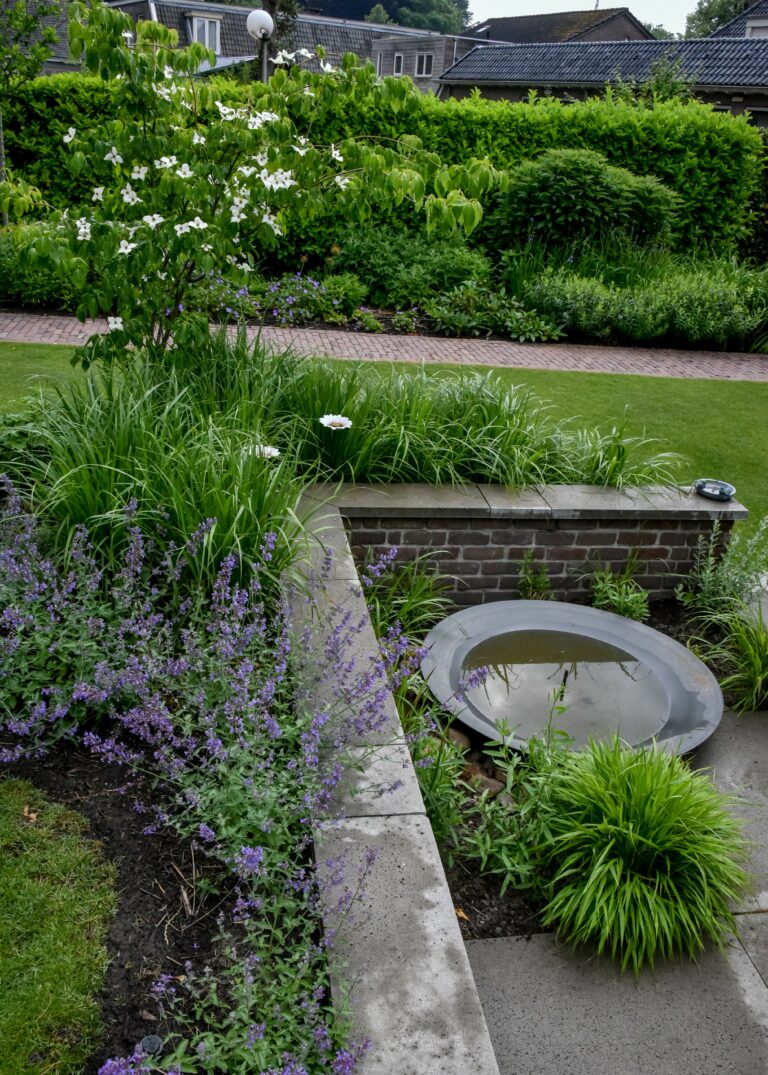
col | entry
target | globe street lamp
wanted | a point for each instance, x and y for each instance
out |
(261, 27)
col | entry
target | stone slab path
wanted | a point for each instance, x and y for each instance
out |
(26, 327)
(551, 1011)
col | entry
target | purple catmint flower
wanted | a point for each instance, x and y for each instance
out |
(248, 861)
(206, 833)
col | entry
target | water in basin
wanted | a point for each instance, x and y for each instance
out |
(603, 689)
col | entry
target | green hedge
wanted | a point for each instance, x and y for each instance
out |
(711, 159)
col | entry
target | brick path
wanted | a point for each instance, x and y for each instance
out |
(714, 365)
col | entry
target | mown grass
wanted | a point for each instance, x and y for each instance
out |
(26, 366)
(56, 898)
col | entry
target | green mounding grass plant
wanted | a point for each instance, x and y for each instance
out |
(124, 450)
(644, 856)
(740, 654)
(56, 899)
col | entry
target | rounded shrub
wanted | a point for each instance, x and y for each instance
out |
(567, 194)
(645, 855)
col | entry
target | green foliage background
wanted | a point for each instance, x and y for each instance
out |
(712, 160)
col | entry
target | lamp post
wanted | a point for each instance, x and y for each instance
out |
(261, 27)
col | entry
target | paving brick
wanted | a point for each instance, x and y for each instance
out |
(24, 327)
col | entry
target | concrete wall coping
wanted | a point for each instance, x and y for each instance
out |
(413, 994)
(549, 502)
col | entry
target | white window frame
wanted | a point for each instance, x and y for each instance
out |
(421, 62)
(757, 28)
(397, 73)
(209, 27)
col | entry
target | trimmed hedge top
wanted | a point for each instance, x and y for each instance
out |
(713, 160)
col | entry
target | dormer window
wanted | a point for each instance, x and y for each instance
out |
(207, 32)
(757, 27)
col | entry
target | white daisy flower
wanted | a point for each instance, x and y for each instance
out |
(113, 156)
(335, 421)
(139, 171)
(153, 221)
(185, 172)
(83, 228)
(126, 247)
(67, 138)
(198, 139)
(98, 194)
(198, 224)
(166, 162)
(336, 156)
(181, 229)
(114, 324)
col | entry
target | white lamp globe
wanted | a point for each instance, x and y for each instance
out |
(260, 24)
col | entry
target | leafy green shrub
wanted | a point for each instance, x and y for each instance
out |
(25, 283)
(474, 310)
(724, 579)
(567, 194)
(711, 307)
(403, 268)
(364, 321)
(711, 159)
(645, 856)
(619, 592)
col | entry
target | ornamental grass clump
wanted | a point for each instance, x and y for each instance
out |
(645, 857)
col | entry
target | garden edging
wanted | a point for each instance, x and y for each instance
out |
(399, 958)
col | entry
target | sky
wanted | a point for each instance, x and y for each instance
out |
(670, 13)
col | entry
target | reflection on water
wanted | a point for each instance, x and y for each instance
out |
(605, 690)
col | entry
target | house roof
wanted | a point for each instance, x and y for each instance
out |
(560, 26)
(710, 61)
(337, 36)
(738, 27)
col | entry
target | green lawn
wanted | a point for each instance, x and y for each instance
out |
(26, 366)
(56, 900)
(720, 427)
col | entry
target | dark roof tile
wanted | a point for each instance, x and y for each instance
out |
(711, 62)
(560, 26)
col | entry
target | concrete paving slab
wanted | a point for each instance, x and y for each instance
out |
(737, 753)
(554, 1012)
(753, 934)
(422, 500)
(381, 781)
(412, 989)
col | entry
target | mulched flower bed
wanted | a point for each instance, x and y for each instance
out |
(161, 920)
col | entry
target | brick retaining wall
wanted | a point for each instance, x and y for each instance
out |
(480, 534)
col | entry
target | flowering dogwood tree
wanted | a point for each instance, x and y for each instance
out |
(180, 178)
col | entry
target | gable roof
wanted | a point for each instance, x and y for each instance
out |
(711, 61)
(559, 26)
(738, 27)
